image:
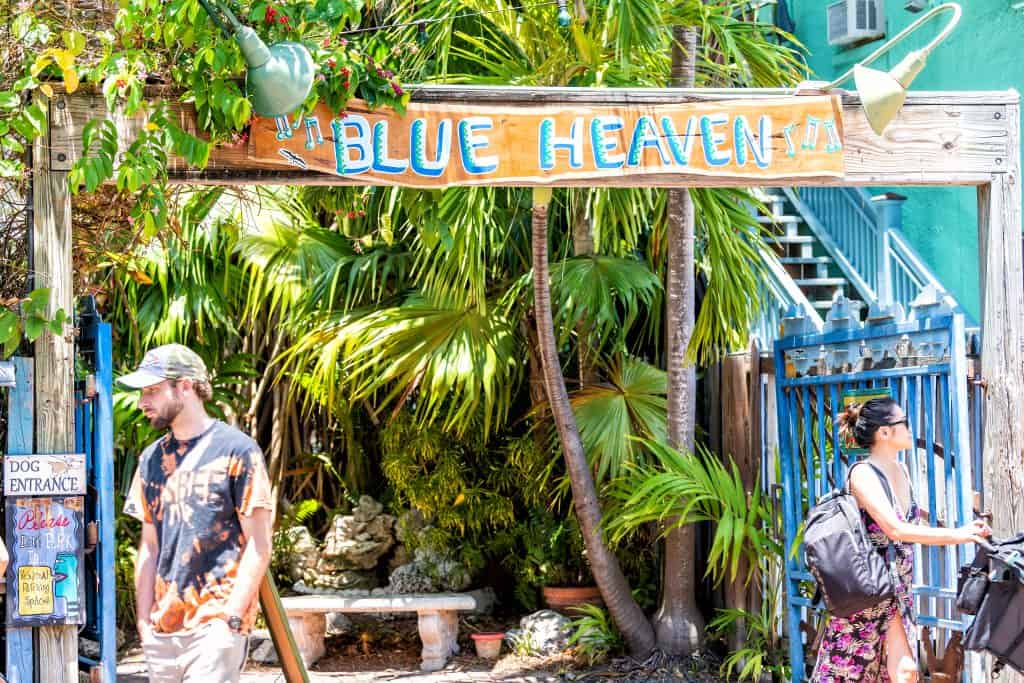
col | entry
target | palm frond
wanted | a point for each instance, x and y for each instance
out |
(613, 417)
(604, 296)
(458, 363)
(678, 489)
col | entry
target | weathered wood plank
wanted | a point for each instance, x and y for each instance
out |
(54, 368)
(738, 444)
(938, 138)
(1002, 358)
(614, 96)
(281, 633)
(20, 440)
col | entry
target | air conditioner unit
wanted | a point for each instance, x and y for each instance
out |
(854, 21)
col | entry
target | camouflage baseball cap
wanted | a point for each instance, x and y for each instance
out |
(171, 361)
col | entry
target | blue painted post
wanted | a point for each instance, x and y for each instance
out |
(103, 459)
(20, 429)
(789, 490)
(889, 207)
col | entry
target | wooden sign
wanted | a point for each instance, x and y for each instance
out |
(45, 577)
(439, 145)
(44, 475)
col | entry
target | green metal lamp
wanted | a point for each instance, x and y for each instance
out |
(883, 93)
(279, 77)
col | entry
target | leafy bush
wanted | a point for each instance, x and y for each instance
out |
(594, 635)
(762, 653)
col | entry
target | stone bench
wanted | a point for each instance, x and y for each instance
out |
(438, 620)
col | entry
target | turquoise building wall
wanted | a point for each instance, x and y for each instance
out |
(986, 52)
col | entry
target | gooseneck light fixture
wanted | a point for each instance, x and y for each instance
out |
(279, 77)
(883, 93)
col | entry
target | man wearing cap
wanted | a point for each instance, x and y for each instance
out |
(203, 496)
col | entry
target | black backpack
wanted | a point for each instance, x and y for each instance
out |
(851, 574)
(992, 588)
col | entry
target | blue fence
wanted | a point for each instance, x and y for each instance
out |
(923, 361)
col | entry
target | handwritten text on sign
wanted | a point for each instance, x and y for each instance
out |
(439, 145)
(44, 475)
(46, 576)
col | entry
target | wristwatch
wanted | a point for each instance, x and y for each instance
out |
(235, 624)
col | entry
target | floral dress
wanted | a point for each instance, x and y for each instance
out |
(853, 649)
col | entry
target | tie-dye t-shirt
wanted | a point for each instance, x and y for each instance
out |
(193, 492)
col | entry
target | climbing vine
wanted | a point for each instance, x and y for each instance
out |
(143, 52)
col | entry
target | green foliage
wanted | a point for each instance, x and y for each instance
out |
(614, 416)
(763, 653)
(602, 297)
(177, 44)
(283, 545)
(452, 482)
(522, 644)
(552, 554)
(127, 533)
(693, 488)
(594, 634)
(28, 319)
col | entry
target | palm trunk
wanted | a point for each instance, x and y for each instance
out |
(583, 245)
(678, 623)
(628, 616)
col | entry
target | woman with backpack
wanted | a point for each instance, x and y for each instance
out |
(874, 644)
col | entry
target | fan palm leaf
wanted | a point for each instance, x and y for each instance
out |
(460, 363)
(615, 416)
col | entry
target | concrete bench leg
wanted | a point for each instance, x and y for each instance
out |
(308, 629)
(439, 632)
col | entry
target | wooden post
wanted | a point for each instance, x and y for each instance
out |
(57, 652)
(737, 444)
(1002, 359)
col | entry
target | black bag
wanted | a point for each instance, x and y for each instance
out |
(851, 574)
(998, 627)
(972, 584)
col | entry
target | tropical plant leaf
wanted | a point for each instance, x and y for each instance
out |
(690, 488)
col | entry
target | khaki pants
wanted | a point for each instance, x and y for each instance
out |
(211, 654)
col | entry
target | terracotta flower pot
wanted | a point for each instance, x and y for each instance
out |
(488, 645)
(565, 599)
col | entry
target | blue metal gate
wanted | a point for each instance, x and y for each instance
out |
(923, 362)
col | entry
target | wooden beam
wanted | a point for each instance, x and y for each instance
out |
(57, 652)
(738, 444)
(1002, 356)
(938, 138)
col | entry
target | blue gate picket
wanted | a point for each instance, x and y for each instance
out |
(923, 362)
(94, 436)
(20, 441)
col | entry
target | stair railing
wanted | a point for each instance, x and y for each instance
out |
(875, 257)
(779, 294)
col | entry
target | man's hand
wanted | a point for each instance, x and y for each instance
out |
(145, 627)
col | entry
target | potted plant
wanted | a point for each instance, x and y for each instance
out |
(556, 562)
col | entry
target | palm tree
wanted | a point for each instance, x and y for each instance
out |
(625, 42)
(614, 589)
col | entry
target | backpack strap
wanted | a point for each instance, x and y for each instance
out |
(910, 485)
(881, 477)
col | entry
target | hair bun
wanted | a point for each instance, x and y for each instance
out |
(848, 418)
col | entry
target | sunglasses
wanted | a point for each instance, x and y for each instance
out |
(901, 421)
